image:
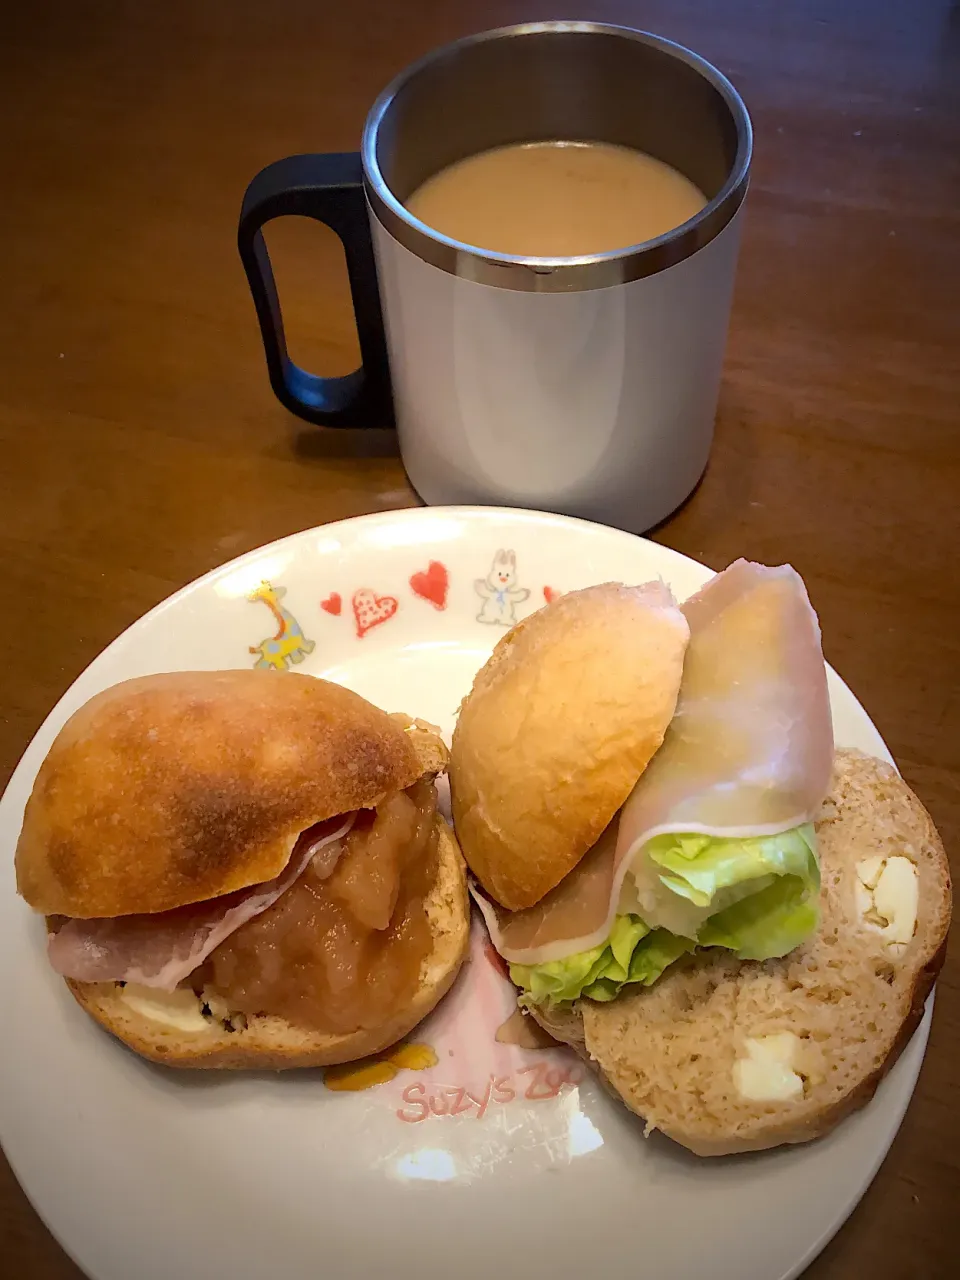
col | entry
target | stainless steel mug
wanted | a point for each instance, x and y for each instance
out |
(581, 385)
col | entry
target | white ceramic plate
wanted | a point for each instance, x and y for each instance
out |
(487, 1160)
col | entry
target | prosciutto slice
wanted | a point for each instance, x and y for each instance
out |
(748, 753)
(161, 950)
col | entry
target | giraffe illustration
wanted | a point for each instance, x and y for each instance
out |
(289, 644)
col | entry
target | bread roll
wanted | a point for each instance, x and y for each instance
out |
(820, 1027)
(180, 788)
(175, 788)
(551, 740)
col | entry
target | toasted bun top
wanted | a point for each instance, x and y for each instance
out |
(170, 789)
(560, 724)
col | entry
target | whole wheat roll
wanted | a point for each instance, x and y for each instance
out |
(668, 1051)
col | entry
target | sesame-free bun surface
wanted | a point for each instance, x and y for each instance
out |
(170, 789)
(558, 727)
(269, 1043)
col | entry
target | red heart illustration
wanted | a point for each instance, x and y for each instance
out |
(370, 610)
(333, 604)
(432, 585)
(550, 594)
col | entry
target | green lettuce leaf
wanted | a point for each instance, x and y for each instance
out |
(632, 953)
(699, 868)
(755, 896)
(656, 952)
(766, 925)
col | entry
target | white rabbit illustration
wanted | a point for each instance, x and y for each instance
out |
(500, 592)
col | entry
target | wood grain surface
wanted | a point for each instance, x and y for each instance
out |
(140, 444)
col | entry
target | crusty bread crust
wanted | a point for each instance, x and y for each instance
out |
(550, 742)
(271, 1044)
(668, 1052)
(170, 789)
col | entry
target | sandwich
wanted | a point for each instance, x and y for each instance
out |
(726, 1056)
(639, 790)
(239, 870)
(632, 779)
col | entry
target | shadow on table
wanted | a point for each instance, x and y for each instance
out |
(326, 444)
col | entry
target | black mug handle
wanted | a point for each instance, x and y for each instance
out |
(328, 188)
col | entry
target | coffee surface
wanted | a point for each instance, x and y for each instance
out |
(556, 199)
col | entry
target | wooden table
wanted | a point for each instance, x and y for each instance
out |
(140, 444)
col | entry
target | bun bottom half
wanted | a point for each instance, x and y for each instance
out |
(668, 1051)
(271, 1044)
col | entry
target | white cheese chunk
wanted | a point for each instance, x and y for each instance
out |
(888, 898)
(765, 1074)
(868, 871)
(180, 1009)
(216, 1004)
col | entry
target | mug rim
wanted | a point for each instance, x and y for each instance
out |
(558, 274)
